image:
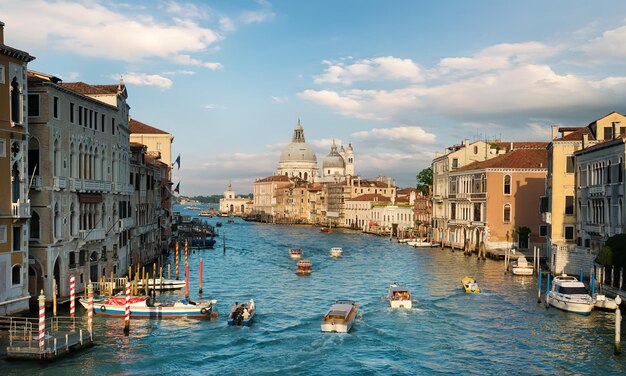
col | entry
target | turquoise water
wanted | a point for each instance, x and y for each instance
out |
(500, 331)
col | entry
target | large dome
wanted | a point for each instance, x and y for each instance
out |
(298, 152)
(333, 159)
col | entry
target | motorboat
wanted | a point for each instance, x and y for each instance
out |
(340, 316)
(569, 294)
(143, 307)
(420, 243)
(304, 267)
(167, 284)
(522, 267)
(295, 253)
(399, 296)
(202, 243)
(218, 224)
(604, 303)
(326, 229)
(242, 315)
(205, 214)
(470, 285)
(336, 252)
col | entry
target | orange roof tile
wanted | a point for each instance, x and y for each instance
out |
(576, 135)
(371, 197)
(518, 158)
(83, 88)
(273, 178)
(141, 128)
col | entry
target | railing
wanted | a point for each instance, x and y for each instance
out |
(61, 333)
(147, 228)
(59, 183)
(20, 209)
(546, 217)
(126, 223)
(92, 234)
(76, 184)
(598, 228)
(36, 183)
(598, 189)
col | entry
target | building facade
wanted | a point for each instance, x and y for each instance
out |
(233, 205)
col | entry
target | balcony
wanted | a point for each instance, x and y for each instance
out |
(59, 183)
(146, 228)
(76, 184)
(36, 184)
(92, 235)
(546, 217)
(126, 223)
(20, 209)
(596, 190)
(595, 229)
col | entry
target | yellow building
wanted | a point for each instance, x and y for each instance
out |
(158, 141)
(14, 202)
(558, 206)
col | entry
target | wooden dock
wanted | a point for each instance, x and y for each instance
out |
(63, 335)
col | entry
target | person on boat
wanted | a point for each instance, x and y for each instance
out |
(245, 314)
(233, 309)
(251, 305)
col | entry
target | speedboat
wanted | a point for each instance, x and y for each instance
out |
(168, 284)
(340, 316)
(522, 267)
(205, 214)
(326, 229)
(419, 243)
(142, 307)
(470, 285)
(304, 267)
(295, 253)
(336, 252)
(604, 303)
(200, 243)
(242, 315)
(569, 294)
(399, 296)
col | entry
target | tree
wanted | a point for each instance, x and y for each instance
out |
(424, 180)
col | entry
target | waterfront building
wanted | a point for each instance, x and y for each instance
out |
(265, 196)
(512, 182)
(392, 218)
(357, 212)
(159, 145)
(78, 162)
(145, 202)
(233, 205)
(572, 239)
(14, 179)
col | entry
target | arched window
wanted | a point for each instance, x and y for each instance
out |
(16, 105)
(73, 220)
(16, 275)
(15, 183)
(57, 221)
(507, 184)
(306, 176)
(33, 157)
(475, 149)
(56, 159)
(507, 213)
(34, 225)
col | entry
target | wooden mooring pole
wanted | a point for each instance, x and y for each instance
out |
(618, 326)
(127, 311)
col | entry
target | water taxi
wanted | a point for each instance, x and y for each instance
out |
(336, 252)
(142, 307)
(340, 316)
(569, 294)
(242, 315)
(522, 267)
(167, 284)
(399, 296)
(470, 285)
(205, 214)
(295, 253)
(304, 267)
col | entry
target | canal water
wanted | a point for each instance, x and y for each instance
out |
(500, 331)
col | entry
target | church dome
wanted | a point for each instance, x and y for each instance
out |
(333, 159)
(298, 150)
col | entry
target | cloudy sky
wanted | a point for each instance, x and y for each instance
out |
(399, 80)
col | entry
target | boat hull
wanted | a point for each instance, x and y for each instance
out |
(522, 271)
(336, 328)
(247, 322)
(198, 311)
(604, 303)
(341, 324)
(401, 304)
(469, 286)
(581, 308)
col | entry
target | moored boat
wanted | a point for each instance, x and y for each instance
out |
(399, 296)
(205, 214)
(336, 252)
(168, 284)
(304, 267)
(326, 229)
(242, 314)
(470, 285)
(340, 316)
(604, 303)
(295, 253)
(142, 307)
(569, 294)
(522, 267)
(201, 243)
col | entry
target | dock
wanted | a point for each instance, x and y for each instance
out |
(19, 337)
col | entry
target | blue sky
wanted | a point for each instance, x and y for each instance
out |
(399, 80)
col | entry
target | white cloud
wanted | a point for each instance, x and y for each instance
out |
(188, 60)
(378, 68)
(343, 103)
(134, 78)
(608, 48)
(212, 106)
(129, 37)
(282, 99)
(408, 134)
(186, 10)
(324, 144)
(541, 131)
(263, 14)
(180, 72)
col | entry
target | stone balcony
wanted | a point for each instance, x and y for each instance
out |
(126, 224)
(59, 182)
(20, 209)
(92, 234)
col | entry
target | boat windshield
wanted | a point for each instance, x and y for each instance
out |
(572, 290)
(335, 315)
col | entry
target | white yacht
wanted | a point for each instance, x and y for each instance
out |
(569, 294)
(522, 267)
(399, 296)
(336, 252)
(340, 317)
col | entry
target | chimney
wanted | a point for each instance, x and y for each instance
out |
(614, 125)
(466, 142)
(359, 181)
(388, 182)
(585, 140)
(511, 146)
(1, 32)
(555, 131)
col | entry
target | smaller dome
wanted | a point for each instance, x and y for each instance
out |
(333, 159)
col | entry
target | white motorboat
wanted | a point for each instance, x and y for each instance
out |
(522, 267)
(399, 296)
(340, 316)
(569, 294)
(422, 244)
(142, 307)
(295, 253)
(604, 303)
(168, 284)
(336, 252)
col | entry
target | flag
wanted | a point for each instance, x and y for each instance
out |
(177, 189)
(177, 161)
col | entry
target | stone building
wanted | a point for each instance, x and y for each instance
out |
(233, 205)
(298, 159)
(14, 179)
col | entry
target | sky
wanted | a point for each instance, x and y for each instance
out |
(399, 80)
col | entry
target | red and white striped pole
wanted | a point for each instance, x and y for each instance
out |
(177, 260)
(72, 295)
(90, 308)
(42, 320)
(187, 281)
(200, 275)
(127, 313)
